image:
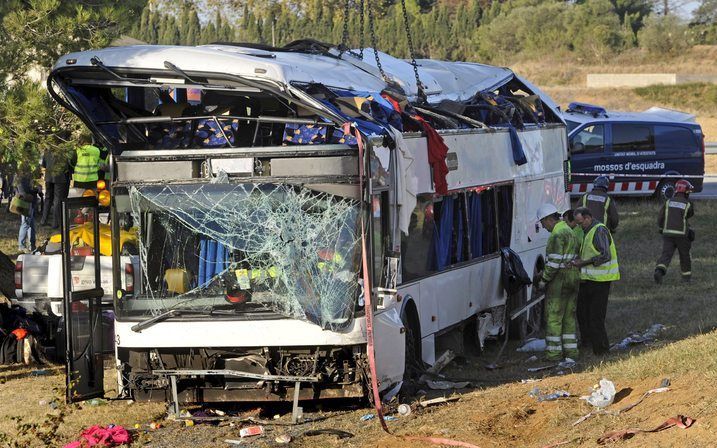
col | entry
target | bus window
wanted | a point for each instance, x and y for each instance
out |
(504, 196)
(482, 225)
(417, 252)
(632, 137)
(588, 141)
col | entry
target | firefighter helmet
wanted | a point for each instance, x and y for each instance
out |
(601, 182)
(683, 186)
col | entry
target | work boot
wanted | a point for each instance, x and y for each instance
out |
(659, 273)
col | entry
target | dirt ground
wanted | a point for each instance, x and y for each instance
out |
(498, 412)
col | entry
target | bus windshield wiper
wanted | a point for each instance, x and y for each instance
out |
(169, 315)
(97, 62)
(168, 65)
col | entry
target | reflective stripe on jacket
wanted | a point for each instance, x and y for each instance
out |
(606, 272)
(675, 220)
(562, 248)
(598, 202)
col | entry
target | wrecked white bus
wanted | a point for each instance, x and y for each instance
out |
(239, 169)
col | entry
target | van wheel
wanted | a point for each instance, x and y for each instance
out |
(528, 324)
(665, 190)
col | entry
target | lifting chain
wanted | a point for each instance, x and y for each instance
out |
(345, 33)
(361, 27)
(412, 53)
(372, 34)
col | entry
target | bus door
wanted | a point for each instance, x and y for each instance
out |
(82, 298)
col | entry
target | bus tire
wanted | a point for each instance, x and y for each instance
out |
(413, 364)
(665, 190)
(528, 324)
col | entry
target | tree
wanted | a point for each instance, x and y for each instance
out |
(706, 13)
(663, 35)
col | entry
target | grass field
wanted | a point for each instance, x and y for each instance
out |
(502, 415)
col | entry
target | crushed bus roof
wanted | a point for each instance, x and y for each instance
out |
(455, 81)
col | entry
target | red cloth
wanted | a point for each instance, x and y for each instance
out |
(20, 333)
(101, 436)
(437, 151)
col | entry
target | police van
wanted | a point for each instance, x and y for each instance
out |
(643, 153)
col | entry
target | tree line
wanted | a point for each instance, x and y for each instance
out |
(475, 30)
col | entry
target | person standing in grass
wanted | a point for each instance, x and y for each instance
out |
(601, 205)
(25, 187)
(561, 281)
(676, 231)
(598, 269)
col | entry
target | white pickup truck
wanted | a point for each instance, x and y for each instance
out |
(38, 279)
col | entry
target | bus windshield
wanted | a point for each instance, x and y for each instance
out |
(247, 248)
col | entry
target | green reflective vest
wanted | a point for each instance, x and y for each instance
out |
(579, 233)
(88, 163)
(606, 272)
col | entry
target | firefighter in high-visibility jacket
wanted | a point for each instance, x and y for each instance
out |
(600, 204)
(561, 282)
(676, 231)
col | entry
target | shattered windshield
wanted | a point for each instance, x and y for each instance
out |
(245, 248)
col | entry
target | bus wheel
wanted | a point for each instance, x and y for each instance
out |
(413, 365)
(530, 323)
(665, 190)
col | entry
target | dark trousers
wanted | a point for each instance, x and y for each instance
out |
(592, 307)
(49, 198)
(683, 246)
(61, 191)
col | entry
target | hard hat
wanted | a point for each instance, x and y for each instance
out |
(601, 182)
(546, 210)
(683, 186)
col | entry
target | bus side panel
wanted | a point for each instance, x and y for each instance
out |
(390, 347)
(485, 288)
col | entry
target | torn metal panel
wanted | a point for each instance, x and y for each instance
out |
(245, 248)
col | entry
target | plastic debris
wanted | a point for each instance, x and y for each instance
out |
(251, 431)
(541, 368)
(390, 418)
(532, 359)
(567, 363)
(389, 395)
(367, 417)
(445, 385)
(404, 410)
(154, 425)
(603, 394)
(529, 380)
(283, 439)
(637, 338)
(40, 372)
(533, 345)
(188, 422)
(97, 402)
(535, 393)
(233, 442)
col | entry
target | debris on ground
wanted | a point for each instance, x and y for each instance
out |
(541, 368)
(533, 345)
(367, 417)
(441, 362)
(535, 393)
(445, 385)
(603, 394)
(439, 400)
(251, 431)
(679, 421)
(112, 435)
(283, 439)
(637, 338)
(404, 410)
(567, 363)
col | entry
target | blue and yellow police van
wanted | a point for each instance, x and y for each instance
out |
(643, 153)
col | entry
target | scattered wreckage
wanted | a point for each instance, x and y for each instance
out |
(276, 192)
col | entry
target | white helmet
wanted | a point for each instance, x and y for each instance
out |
(546, 210)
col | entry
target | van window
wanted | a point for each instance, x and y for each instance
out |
(675, 138)
(589, 140)
(632, 137)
